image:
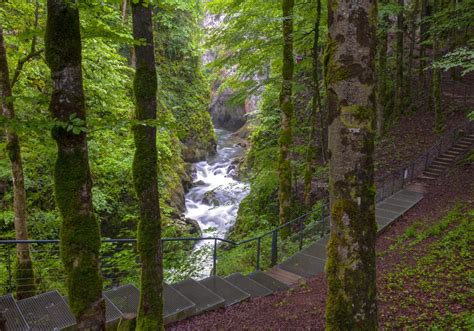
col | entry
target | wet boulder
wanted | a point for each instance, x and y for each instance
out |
(211, 198)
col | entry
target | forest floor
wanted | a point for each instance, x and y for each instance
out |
(424, 272)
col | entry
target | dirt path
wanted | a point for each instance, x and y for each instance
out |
(302, 308)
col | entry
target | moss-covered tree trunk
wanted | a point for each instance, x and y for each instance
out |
(399, 78)
(80, 235)
(422, 51)
(24, 275)
(350, 268)
(145, 177)
(411, 90)
(382, 95)
(286, 107)
(436, 79)
(317, 117)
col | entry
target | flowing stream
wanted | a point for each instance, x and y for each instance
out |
(214, 199)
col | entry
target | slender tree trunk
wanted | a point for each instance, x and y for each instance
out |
(80, 235)
(24, 275)
(399, 79)
(350, 268)
(410, 88)
(286, 106)
(123, 8)
(145, 177)
(436, 79)
(316, 111)
(382, 95)
(423, 35)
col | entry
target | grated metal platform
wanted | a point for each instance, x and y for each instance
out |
(112, 314)
(11, 312)
(47, 311)
(126, 298)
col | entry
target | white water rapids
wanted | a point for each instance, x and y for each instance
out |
(214, 199)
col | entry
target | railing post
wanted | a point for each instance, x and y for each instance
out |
(274, 248)
(301, 236)
(214, 258)
(258, 254)
(427, 158)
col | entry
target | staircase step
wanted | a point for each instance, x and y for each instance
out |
(201, 296)
(303, 265)
(398, 202)
(382, 222)
(14, 318)
(390, 214)
(268, 281)
(426, 177)
(248, 285)
(175, 305)
(125, 298)
(436, 167)
(47, 311)
(441, 163)
(452, 153)
(224, 289)
(316, 250)
(458, 149)
(395, 208)
(444, 156)
(455, 150)
(432, 173)
(463, 145)
(284, 276)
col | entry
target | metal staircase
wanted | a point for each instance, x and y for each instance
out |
(49, 311)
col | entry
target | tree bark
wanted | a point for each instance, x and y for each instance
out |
(80, 235)
(145, 177)
(24, 275)
(409, 79)
(316, 111)
(350, 268)
(382, 95)
(436, 79)
(399, 79)
(286, 106)
(423, 37)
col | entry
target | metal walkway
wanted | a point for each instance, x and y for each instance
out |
(49, 311)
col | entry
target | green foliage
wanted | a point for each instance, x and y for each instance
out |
(184, 89)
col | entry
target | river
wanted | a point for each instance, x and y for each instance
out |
(214, 199)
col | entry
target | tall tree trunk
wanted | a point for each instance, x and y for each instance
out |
(350, 268)
(316, 112)
(24, 275)
(80, 235)
(410, 88)
(145, 177)
(382, 95)
(423, 37)
(436, 79)
(399, 79)
(286, 106)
